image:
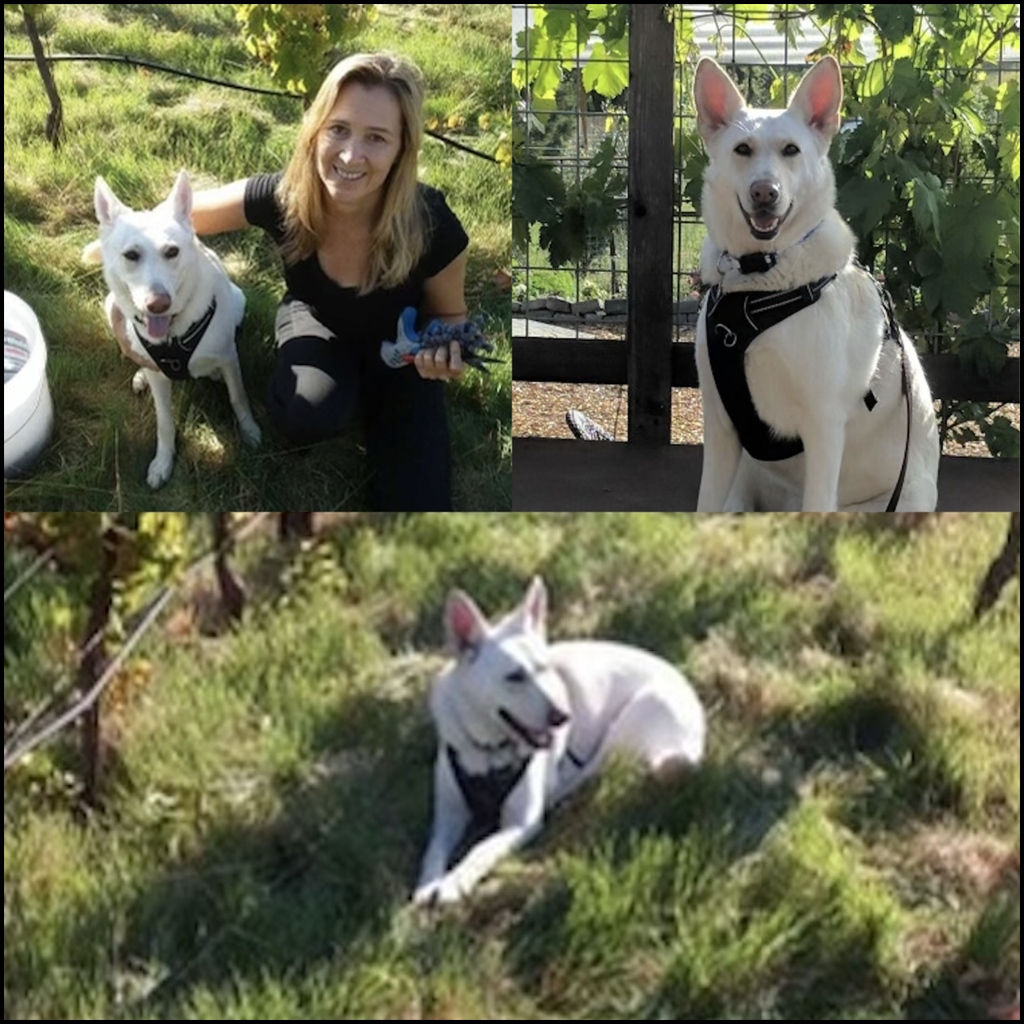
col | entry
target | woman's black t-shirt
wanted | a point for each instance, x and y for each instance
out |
(364, 319)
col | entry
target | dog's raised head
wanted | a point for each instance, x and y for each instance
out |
(769, 181)
(505, 687)
(148, 256)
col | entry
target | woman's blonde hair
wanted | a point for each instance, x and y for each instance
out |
(399, 237)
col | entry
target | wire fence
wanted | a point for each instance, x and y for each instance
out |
(571, 130)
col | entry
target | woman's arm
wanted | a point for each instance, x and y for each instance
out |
(444, 294)
(215, 210)
(444, 298)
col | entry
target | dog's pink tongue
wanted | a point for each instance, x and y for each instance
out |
(158, 326)
(765, 221)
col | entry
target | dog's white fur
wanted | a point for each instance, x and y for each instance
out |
(563, 708)
(163, 279)
(808, 375)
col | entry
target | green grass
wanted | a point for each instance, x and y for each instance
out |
(848, 851)
(137, 129)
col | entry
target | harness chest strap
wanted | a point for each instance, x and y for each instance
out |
(734, 320)
(486, 793)
(172, 356)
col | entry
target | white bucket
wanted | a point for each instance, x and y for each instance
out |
(28, 411)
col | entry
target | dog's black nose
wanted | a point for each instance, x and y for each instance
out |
(764, 193)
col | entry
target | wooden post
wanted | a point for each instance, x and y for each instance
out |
(649, 318)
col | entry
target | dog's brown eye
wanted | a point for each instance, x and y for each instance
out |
(132, 255)
(743, 150)
(791, 150)
(171, 252)
(516, 676)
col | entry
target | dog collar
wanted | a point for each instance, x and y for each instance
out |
(757, 262)
(172, 356)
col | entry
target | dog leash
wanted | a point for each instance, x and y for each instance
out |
(893, 332)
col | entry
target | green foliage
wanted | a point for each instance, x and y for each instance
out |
(927, 165)
(931, 167)
(556, 68)
(575, 218)
(928, 175)
(33, 10)
(295, 40)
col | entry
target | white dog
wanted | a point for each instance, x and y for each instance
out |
(178, 306)
(828, 408)
(522, 723)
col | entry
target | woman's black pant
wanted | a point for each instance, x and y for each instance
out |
(320, 382)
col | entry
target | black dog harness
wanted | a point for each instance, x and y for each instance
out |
(485, 794)
(172, 356)
(733, 320)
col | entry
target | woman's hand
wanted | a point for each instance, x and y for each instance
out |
(442, 363)
(444, 298)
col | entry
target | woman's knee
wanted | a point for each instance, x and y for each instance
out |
(312, 394)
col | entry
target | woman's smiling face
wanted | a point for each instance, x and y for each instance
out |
(358, 145)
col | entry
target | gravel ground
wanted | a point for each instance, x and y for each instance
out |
(538, 410)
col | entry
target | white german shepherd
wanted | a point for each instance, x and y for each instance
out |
(521, 723)
(827, 369)
(179, 307)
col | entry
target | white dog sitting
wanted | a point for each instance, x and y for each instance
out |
(522, 723)
(173, 298)
(814, 399)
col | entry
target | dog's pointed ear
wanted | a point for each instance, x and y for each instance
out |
(180, 198)
(715, 97)
(464, 623)
(534, 609)
(819, 96)
(108, 206)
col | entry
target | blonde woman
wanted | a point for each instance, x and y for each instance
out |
(361, 240)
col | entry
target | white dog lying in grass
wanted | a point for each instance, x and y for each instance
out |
(522, 723)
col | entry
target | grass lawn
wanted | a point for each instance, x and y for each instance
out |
(138, 128)
(849, 850)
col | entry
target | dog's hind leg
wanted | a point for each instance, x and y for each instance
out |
(666, 732)
(160, 468)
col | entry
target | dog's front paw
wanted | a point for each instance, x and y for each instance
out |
(139, 382)
(424, 896)
(445, 891)
(160, 470)
(250, 432)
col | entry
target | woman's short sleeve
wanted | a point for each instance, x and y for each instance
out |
(447, 236)
(261, 206)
